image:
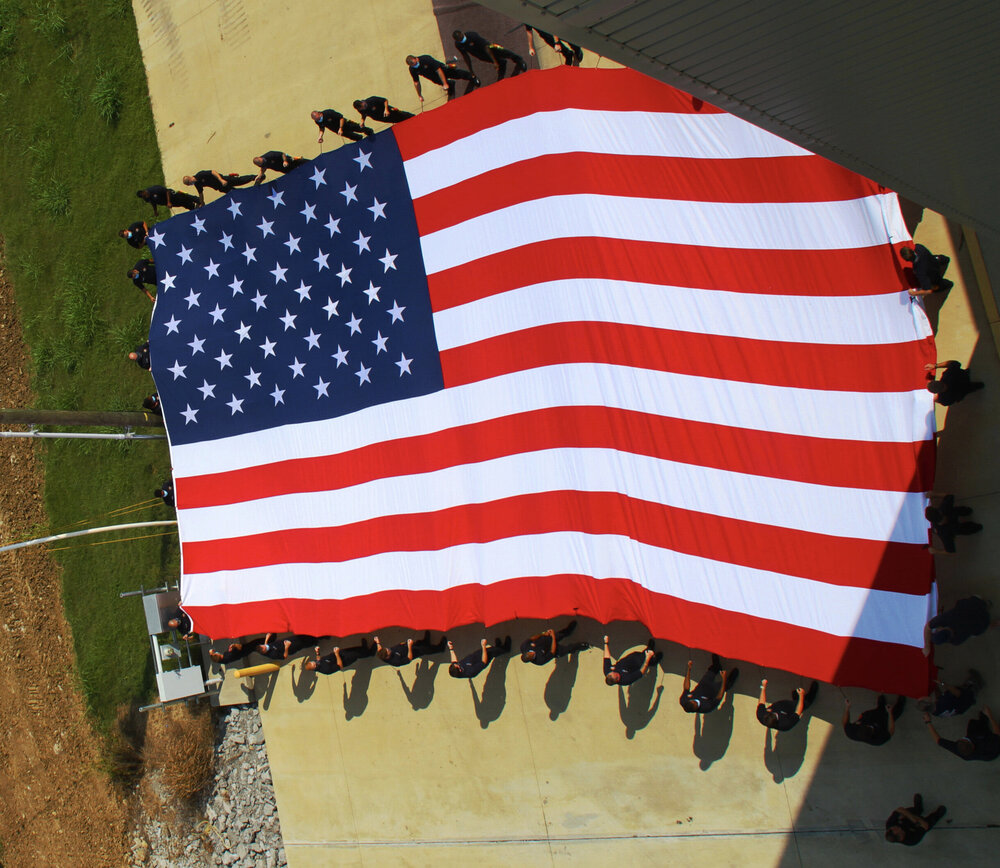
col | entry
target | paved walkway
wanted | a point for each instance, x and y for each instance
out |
(548, 765)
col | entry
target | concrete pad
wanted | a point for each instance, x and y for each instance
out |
(549, 765)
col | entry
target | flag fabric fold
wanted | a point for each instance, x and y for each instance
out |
(575, 343)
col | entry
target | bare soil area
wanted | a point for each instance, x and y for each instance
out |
(58, 806)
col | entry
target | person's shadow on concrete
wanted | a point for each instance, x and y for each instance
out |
(305, 685)
(784, 756)
(559, 687)
(421, 693)
(712, 733)
(263, 688)
(635, 710)
(356, 701)
(491, 704)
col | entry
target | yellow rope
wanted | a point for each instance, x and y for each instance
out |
(108, 541)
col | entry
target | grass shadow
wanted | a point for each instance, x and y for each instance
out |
(491, 704)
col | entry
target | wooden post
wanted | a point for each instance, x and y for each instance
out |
(81, 418)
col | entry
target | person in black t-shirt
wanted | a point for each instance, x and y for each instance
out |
(440, 73)
(906, 826)
(276, 161)
(152, 404)
(543, 647)
(335, 122)
(631, 667)
(179, 619)
(572, 54)
(159, 195)
(928, 269)
(214, 181)
(469, 42)
(471, 665)
(235, 651)
(969, 617)
(981, 741)
(875, 726)
(947, 521)
(143, 274)
(947, 700)
(709, 692)
(166, 491)
(954, 384)
(785, 713)
(135, 234)
(140, 355)
(282, 649)
(378, 109)
(339, 658)
(408, 651)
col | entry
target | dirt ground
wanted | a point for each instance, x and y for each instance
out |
(58, 807)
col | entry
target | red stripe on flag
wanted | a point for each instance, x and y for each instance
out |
(603, 90)
(815, 460)
(839, 273)
(879, 666)
(764, 179)
(829, 367)
(887, 566)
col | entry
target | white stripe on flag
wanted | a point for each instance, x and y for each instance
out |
(886, 616)
(846, 224)
(655, 134)
(866, 319)
(894, 417)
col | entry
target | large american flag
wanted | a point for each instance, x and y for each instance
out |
(574, 344)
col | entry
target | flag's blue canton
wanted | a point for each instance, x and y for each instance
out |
(294, 301)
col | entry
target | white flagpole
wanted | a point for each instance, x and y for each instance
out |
(110, 527)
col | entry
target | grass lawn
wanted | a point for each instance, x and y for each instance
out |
(76, 131)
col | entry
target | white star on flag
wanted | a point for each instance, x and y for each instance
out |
(293, 244)
(253, 378)
(243, 331)
(333, 225)
(265, 227)
(296, 368)
(259, 300)
(321, 259)
(172, 324)
(362, 375)
(234, 207)
(178, 370)
(288, 319)
(192, 299)
(278, 395)
(278, 272)
(303, 290)
(331, 307)
(197, 345)
(312, 339)
(362, 242)
(155, 238)
(321, 388)
(348, 193)
(250, 253)
(226, 241)
(372, 292)
(223, 359)
(364, 160)
(340, 356)
(217, 314)
(318, 176)
(378, 210)
(207, 390)
(389, 260)
(189, 415)
(199, 225)
(396, 312)
(268, 347)
(236, 405)
(185, 253)
(354, 324)
(212, 268)
(404, 364)
(277, 198)
(309, 212)
(167, 282)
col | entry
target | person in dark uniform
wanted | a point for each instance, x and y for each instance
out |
(140, 355)
(981, 741)
(410, 650)
(143, 274)
(214, 181)
(335, 122)
(235, 651)
(906, 826)
(710, 690)
(947, 700)
(572, 54)
(469, 42)
(928, 269)
(166, 492)
(954, 384)
(471, 665)
(152, 404)
(378, 109)
(631, 667)
(339, 658)
(440, 73)
(785, 713)
(136, 234)
(947, 521)
(275, 649)
(159, 195)
(181, 622)
(276, 161)
(969, 617)
(875, 726)
(542, 648)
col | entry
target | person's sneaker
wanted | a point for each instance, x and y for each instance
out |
(811, 692)
(897, 707)
(716, 662)
(477, 82)
(651, 644)
(571, 626)
(918, 802)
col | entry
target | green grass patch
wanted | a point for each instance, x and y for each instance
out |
(76, 124)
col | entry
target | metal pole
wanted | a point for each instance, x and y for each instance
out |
(59, 536)
(125, 436)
